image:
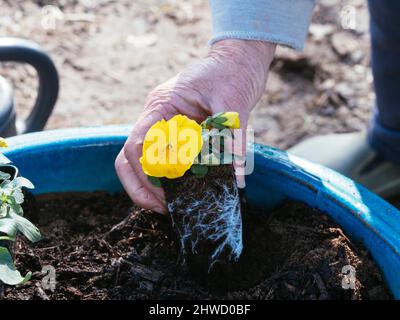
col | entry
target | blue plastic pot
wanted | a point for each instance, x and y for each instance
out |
(83, 160)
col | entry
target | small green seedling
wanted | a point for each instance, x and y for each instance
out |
(11, 223)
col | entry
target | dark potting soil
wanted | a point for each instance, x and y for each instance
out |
(102, 248)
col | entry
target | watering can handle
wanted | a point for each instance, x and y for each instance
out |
(19, 50)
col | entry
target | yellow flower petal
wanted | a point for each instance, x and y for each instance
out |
(232, 119)
(170, 147)
(3, 143)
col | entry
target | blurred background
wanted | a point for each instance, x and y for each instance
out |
(111, 53)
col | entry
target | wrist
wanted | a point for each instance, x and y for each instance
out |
(244, 66)
(251, 53)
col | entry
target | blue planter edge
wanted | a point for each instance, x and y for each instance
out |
(278, 175)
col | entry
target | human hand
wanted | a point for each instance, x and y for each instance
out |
(231, 78)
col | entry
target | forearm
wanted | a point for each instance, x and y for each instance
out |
(278, 21)
(240, 51)
(249, 63)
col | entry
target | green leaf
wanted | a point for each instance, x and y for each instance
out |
(5, 184)
(207, 134)
(17, 197)
(9, 227)
(7, 238)
(15, 207)
(155, 181)
(199, 170)
(17, 183)
(217, 125)
(14, 223)
(207, 122)
(211, 159)
(20, 182)
(3, 210)
(8, 273)
(227, 158)
(26, 227)
(4, 175)
(216, 115)
(220, 120)
(4, 159)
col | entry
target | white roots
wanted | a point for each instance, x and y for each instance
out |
(214, 218)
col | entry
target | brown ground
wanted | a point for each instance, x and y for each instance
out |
(103, 249)
(111, 53)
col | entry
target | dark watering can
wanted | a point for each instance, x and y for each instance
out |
(18, 50)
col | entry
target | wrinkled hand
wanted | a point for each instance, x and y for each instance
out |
(231, 78)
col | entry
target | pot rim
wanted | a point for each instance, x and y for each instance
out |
(278, 176)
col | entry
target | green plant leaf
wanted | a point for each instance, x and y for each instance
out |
(199, 170)
(4, 159)
(5, 184)
(4, 175)
(216, 115)
(17, 183)
(9, 227)
(155, 181)
(17, 197)
(3, 210)
(26, 227)
(8, 273)
(7, 238)
(227, 158)
(211, 159)
(20, 182)
(15, 207)
(207, 122)
(219, 120)
(217, 125)
(207, 134)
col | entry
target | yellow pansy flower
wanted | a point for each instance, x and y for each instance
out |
(222, 120)
(3, 143)
(170, 147)
(232, 119)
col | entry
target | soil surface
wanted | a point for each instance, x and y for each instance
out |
(103, 248)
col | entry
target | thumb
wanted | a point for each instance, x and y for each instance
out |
(236, 145)
(239, 153)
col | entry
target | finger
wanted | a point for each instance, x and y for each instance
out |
(239, 152)
(133, 150)
(236, 146)
(134, 144)
(134, 187)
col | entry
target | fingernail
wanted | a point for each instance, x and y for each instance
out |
(158, 210)
(241, 184)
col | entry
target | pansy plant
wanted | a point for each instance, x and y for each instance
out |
(204, 205)
(12, 222)
(173, 147)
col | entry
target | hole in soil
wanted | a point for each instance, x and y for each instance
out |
(102, 248)
(297, 67)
